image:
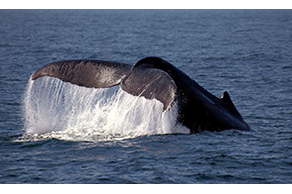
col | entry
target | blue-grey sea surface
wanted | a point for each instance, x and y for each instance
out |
(246, 52)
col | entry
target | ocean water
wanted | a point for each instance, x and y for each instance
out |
(55, 132)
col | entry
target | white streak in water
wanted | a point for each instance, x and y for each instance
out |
(57, 109)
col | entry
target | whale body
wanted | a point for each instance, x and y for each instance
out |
(154, 78)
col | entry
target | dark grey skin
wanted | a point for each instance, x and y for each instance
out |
(153, 77)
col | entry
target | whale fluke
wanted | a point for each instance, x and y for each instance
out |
(87, 73)
(154, 78)
(150, 83)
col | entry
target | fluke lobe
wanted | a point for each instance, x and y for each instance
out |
(154, 78)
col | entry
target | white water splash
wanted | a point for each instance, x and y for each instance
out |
(57, 109)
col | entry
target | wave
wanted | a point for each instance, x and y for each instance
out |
(57, 109)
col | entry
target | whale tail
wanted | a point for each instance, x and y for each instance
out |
(153, 78)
